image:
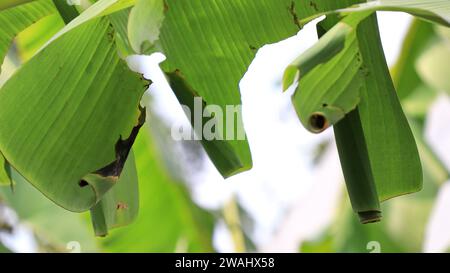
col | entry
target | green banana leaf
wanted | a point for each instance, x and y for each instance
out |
(119, 206)
(349, 134)
(61, 120)
(168, 221)
(15, 20)
(392, 150)
(356, 166)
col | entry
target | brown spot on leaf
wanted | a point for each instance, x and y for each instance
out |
(313, 5)
(83, 183)
(121, 206)
(294, 15)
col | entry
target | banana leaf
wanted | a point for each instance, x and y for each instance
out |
(63, 136)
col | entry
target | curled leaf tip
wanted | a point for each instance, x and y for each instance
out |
(331, 44)
(290, 77)
(322, 119)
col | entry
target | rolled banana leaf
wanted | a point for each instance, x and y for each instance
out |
(355, 163)
(349, 135)
(350, 87)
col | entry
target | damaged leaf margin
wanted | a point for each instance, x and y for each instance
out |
(105, 178)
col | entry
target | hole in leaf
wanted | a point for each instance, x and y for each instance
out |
(318, 122)
(83, 183)
(121, 205)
